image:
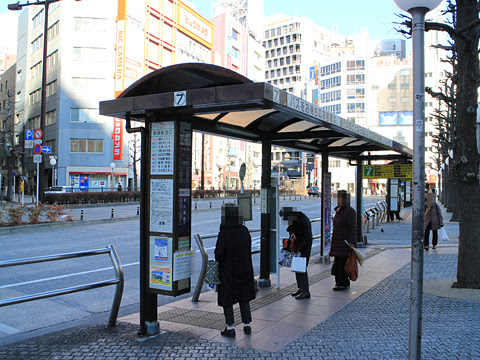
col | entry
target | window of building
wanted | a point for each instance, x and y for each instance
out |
(153, 49)
(51, 117)
(51, 144)
(375, 87)
(36, 70)
(269, 43)
(404, 72)
(52, 59)
(33, 123)
(356, 79)
(53, 30)
(356, 93)
(272, 32)
(267, 34)
(85, 116)
(405, 86)
(392, 99)
(91, 85)
(52, 88)
(354, 65)
(154, 25)
(38, 19)
(36, 44)
(89, 55)
(86, 146)
(235, 34)
(392, 86)
(34, 97)
(404, 99)
(88, 24)
(355, 108)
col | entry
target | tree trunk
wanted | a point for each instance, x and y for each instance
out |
(466, 157)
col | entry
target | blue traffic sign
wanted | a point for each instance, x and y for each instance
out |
(28, 134)
(47, 149)
(37, 149)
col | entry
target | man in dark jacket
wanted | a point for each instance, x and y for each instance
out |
(344, 228)
(233, 252)
(300, 230)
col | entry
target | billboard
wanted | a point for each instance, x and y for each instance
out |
(195, 26)
(395, 118)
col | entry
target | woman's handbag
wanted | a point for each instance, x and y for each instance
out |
(212, 277)
(285, 258)
(442, 234)
(351, 267)
(289, 244)
(299, 264)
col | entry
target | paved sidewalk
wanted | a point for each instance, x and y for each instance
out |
(369, 321)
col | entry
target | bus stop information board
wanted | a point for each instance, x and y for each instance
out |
(390, 171)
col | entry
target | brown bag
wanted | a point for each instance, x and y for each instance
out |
(289, 244)
(351, 267)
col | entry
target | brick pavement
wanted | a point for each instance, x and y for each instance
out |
(373, 325)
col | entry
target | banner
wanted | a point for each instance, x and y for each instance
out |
(117, 139)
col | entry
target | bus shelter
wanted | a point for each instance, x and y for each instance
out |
(174, 101)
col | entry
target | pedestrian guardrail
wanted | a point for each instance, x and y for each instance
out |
(118, 281)
(374, 216)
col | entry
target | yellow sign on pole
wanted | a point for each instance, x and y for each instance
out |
(390, 171)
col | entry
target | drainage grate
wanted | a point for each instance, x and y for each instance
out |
(216, 321)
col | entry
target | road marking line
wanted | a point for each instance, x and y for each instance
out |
(8, 329)
(63, 276)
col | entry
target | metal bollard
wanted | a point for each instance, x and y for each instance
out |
(81, 215)
(138, 210)
(210, 204)
(195, 205)
(113, 213)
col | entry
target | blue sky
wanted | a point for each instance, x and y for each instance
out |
(347, 16)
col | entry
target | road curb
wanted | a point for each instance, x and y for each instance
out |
(35, 227)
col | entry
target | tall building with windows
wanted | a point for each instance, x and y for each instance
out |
(292, 46)
(94, 56)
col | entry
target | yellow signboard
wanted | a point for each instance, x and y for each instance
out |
(391, 171)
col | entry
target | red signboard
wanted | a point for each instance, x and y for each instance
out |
(117, 139)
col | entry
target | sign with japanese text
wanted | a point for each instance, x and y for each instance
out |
(390, 171)
(117, 139)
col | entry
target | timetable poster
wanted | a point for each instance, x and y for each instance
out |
(161, 205)
(184, 170)
(163, 146)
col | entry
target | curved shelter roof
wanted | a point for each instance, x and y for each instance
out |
(220, 101)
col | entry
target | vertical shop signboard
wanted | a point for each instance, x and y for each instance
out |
(327, 221)
(170, 254)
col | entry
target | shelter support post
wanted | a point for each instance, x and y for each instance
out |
(264, 280)
(359, 200)
(148, 301)
(326, 201)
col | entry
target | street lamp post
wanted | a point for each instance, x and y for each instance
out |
(53, 162)
(418, 9)
(43, 107)
(112, 165)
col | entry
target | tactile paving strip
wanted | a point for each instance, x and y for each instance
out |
(216, 321)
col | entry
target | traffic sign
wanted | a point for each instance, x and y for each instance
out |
(37, 159)
(28, 134)
(47, 149)
(53, 157)
(37, 149)
(37, 134)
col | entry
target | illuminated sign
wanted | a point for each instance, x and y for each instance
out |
(395, 118)
(117, 139)
(195, 25)
(390, 171)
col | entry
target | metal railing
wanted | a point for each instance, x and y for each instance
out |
(119, 281)
(374, 216)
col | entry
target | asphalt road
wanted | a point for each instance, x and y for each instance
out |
(95, 304)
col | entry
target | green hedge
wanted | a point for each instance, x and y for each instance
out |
(81, 198)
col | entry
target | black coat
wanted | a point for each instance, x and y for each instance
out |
(233, 253)
(344, 228)
(302, 228)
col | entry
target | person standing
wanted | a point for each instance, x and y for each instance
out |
(233, 252)
(433, 220)
(344, 228)
(300, 230)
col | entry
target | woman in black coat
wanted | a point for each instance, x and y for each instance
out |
(233, 253)
(300, 230)
(344, 228)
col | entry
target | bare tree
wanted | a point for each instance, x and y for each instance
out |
(464, 32)
(8, 151)
(135, 153)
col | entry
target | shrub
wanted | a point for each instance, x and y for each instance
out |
(35, 213)
(15, 215)
(53, 212)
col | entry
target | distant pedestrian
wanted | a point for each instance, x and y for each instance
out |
(119, 187)
(300, 230)
(433, 220)
(344, 228)
(233, 252)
